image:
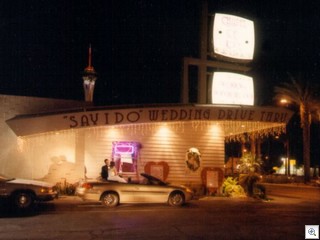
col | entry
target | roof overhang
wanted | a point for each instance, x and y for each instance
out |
(234, 119)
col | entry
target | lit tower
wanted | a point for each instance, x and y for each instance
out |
(89, 78)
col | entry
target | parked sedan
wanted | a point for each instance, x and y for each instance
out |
(22, 193)
(149, 190)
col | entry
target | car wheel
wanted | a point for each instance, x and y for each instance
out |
(176, 199)
(23, 200)
(110, 199)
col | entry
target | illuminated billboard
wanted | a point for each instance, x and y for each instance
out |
(232, 88)
(233, 37)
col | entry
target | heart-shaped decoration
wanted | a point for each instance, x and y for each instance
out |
(157, 169)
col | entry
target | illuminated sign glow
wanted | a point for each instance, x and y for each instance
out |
(124, 149)
(233, 37)
(232, 88)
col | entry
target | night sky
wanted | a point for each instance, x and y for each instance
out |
(138, 46)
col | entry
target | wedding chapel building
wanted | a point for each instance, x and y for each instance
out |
(63, 140)
(176, 143)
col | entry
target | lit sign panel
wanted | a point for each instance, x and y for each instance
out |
(233, 37)
(124, 149)
(232, 88)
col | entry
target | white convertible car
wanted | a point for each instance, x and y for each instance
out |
(150, 190)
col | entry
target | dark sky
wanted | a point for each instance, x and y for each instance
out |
(138, 45)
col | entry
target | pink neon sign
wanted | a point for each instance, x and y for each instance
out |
(124, 149)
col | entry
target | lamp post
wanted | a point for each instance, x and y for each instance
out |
(285, 102)
(288, 154)
(283, 139)
(89, 77)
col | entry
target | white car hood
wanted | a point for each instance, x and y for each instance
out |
(32, 182)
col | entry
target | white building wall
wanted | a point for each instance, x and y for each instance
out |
(14, 160)
(160, 142)
(52, 156)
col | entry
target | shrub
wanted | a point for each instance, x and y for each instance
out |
(65, 188)
(231, 188)
(249, 163)
(250, 184)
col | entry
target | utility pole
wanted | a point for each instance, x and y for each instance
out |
(202, 72)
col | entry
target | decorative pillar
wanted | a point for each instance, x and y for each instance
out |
(80, 154)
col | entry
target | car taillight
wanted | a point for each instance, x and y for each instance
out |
(86, 185)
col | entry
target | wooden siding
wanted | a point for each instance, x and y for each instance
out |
(75, 154)
(160, 142)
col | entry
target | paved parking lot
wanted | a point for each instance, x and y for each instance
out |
(281, 217)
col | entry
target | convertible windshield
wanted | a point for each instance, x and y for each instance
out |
(153, 180)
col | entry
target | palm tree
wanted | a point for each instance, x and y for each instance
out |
(301, 94)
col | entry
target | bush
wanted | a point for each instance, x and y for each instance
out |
(65, 188)
(250, 184)
(249, 163)
(231, 188)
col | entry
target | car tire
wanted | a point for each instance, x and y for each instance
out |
(176, 199)
(23, 200)
(110, 199)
